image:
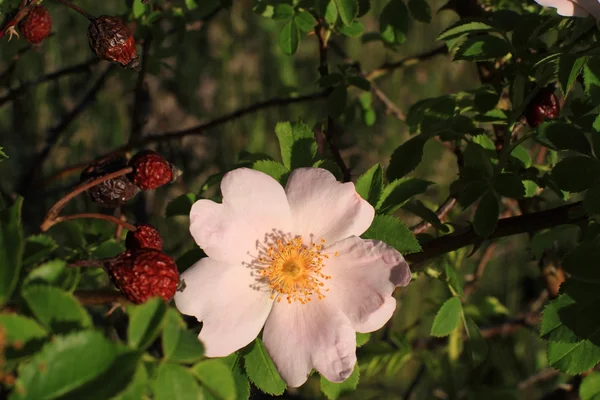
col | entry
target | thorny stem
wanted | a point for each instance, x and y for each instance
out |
(52, 215)
(22, 13)
(110, 218)
(77, 8)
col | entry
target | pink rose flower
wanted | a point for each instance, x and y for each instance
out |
(573, 8)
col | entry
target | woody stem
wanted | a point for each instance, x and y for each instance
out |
(77, 8)
(109, 218)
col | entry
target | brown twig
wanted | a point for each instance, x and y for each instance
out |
(567, 214)
(22, 13)
(98, 297)
(55, 132)
(56, 208)
(83, 67)
(141, 94)
(474, 279)
(405, 62)
(77, 8)
(442, 212)
(109, 218)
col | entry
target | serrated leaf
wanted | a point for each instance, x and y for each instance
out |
(11, 249)
(305, 21)
(393, 232)
(355, 29)
(65, 364)
(138, 8)
(420, 10)
(399, 192)
(563, 136)
(567, 69)
(180, 205)
(576, 174)
(217, 377)
(362, 339)
(172, 381)
(334, 390)
(283, 11)
(189, 349)
(453, 279)
(591, 78)
(289, 38)
(261, 370)
(369, 184)
(56, 309)
(242, 385)
(486, 215)
(482, 48)
(573, 358)
(406, 157)
(274, 169)
(464, 27)
(347, 9)
(509, 185)
(475, 157)
(18, 328)
(590, 387)
(38, 248)
(520, 153)
(393, 22)
(145, 322)
(55, 273)
(447, 318)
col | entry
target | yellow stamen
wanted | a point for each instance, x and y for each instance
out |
(294, 270)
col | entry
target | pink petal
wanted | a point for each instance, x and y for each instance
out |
(317, 335)
(566, 8)
(325, 208)
(363, 277)
(254, 204)
(225, 298)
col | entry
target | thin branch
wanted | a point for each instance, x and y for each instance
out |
(83, 67)
(442, 212)
(544, 375)
(390, 106)
(141, 95)
(77, 9)
(567, 214)
(98, 297)
(405, 62)
(485, 259)
(118, 221)
(53, 134)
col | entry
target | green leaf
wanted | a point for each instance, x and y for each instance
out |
(261, 370)
(476, 346)
(399, 192)
(56, 309)
(362, 339)
(360, 82)
(64, 364)
(347, 9)
(453, 279)
(420, 10)
(18, 328)
(482, 48)
(576, 174)
(369, 184)
(139, 8)
(172, 381)
(334, 390)
(55, 273)
(336, 102)
(11, 249)
(547, 239)
(217, 377)
(289, 38)
(393, 22)
(464, 27)
(573, 358)
(567, 69)
(305, 21)
(355, 29)
(283, 11)
(476, 158)
(563, 136)
(520, 153)
(393, 232)
(596, 136)
(486, 215)
(242, 385)
(509, 185)
(592, 199)
(38, 248)
(145, 322)
(189, 349)
(137, 384)
(330, 166)
(590, 387)
(363, 7)
(272, 168)
(447, 318)
(297, 144)
(406, 157)
(582, 263)
(591, 78)
(180, 205)
(328, 10)
(171, 332)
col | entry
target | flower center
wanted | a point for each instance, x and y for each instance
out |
(294, 270)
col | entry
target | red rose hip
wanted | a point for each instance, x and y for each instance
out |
(151, 170)
(543, 106)
(144, 237)
(36, 26)
(144, 273)
(111, 40)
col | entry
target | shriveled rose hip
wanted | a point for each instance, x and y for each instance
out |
(110, 39)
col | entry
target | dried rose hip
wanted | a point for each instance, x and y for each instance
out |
(113, 192)
(110, 39)
(543, 106)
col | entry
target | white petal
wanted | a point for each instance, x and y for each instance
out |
(566, 8)
(363, 277)
(254, 204)
(317, 335)
(591, 6)
(325, 208)
(224, 297)
(377, 319)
